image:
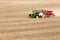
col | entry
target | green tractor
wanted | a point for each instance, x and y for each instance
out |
(35, 14)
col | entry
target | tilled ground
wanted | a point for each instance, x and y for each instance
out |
(16, 25)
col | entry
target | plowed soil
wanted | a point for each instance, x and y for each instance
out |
(16, 25)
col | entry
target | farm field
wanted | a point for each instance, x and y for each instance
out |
(16, 25)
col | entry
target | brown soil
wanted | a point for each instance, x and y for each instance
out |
(16, 25)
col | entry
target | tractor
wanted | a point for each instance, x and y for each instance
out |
(35, 14)
(41, 14)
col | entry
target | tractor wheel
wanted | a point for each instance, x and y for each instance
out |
(29, 15)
